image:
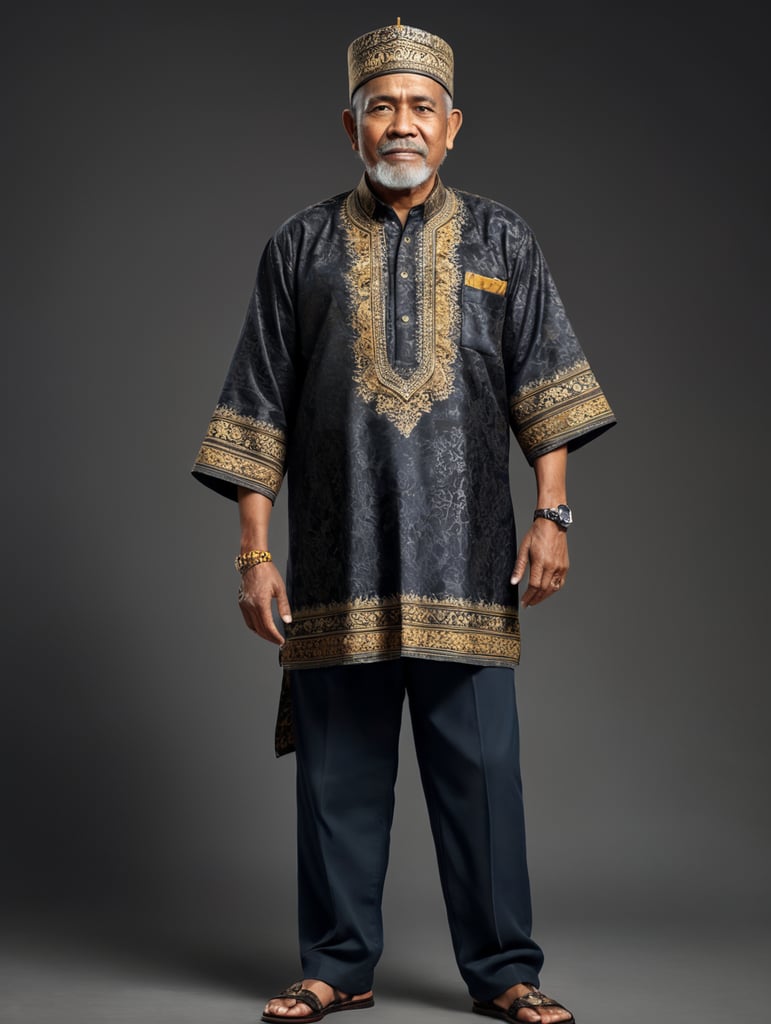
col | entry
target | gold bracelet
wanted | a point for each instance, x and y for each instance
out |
(250, 558)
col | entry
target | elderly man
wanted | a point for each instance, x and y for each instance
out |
(396, 336)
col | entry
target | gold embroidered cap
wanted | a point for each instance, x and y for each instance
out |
(399, 48)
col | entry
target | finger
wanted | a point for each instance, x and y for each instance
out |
(521, 563)
(534, 595)
(257, 612)
(537, 574)
(557, 582)
(251, 616)
(282, 603)
(552, 582)
(268, 628)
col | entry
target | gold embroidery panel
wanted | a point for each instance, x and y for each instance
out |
(366, 630)
(403, 399)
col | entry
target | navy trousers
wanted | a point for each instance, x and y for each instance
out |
(464, 722)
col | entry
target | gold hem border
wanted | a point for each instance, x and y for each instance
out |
(373, 629)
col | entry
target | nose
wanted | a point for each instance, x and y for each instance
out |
(402, 124)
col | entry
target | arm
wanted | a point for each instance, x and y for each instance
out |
(545, 545)
(263, 583)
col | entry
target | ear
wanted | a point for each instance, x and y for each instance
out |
(349, 123)
(454, 121)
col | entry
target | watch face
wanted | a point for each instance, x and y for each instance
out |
(566, 516)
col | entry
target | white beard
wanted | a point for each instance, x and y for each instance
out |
(399, 175)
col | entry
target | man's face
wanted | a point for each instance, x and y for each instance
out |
(402, 129)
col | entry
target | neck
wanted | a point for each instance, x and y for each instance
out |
(402, 201)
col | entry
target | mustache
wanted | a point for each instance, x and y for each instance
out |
(389, 147)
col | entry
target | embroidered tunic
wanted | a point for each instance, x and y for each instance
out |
(382, 370)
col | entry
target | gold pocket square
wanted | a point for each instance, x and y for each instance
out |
(486, 284)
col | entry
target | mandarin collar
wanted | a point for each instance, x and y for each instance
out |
(371, 205)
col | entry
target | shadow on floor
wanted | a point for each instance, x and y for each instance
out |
(219, 957)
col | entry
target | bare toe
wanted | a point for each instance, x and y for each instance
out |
(287, 1008)
(291, 1007)
(541, 1009)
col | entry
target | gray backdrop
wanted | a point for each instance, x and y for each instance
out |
(149, 151)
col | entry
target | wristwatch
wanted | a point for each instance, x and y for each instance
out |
(561, 515)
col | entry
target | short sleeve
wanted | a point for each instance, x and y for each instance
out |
(246, 440)
(554, 397)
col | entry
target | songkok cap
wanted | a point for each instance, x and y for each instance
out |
(399, 48)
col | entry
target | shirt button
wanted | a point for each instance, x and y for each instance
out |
(407, 239)
(405, 319)
(404, 274)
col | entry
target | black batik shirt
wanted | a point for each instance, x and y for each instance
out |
(383, 369)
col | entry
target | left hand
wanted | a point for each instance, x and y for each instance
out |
(545, 548)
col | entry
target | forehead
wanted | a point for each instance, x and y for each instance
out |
(400, 86)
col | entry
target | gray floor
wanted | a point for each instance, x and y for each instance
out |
(608, 975)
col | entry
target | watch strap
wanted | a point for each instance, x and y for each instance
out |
(561, 515)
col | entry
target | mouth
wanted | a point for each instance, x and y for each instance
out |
(402, 152)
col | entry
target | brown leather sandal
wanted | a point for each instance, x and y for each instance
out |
(534, 1000)
(319, 1011)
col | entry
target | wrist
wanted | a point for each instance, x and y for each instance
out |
(550, 499)
(254, 556)
(253, 542)
(560, 514)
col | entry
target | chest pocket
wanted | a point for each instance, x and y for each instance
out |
(483, 308)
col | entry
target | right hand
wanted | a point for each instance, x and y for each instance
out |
(260, 586)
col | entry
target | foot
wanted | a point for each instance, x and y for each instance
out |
(542, 1015)
(286, 1006)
